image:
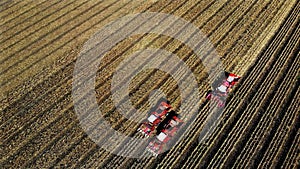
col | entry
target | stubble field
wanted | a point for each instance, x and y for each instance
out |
(256, 39)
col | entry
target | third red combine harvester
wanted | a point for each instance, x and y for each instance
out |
(162, 124)
(224, 87)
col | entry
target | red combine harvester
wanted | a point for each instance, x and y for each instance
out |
(162, 123)
(220, 93)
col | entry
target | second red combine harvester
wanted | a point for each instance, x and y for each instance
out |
(224, 87)
(162, 123)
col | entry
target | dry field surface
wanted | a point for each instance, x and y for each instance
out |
(256, 39)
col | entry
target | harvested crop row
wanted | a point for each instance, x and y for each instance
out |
(18, 152)
(21, 89)
(30, 28)
(53, 75)
(131, 144)
(23, 18)
(8, 21)
(82, 151)
(55, 20)
(56, 69)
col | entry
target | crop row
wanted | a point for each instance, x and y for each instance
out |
(176, 157)
(257, 74)
(8, 7)
(249, 80)
(64, 15)
(251, 116)
(248, 120)
(292, 157)
(282, 90)
(282, 134)
(56, 22)
(52, 70)
(31, 27)
(48, 84)
(10, 16)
